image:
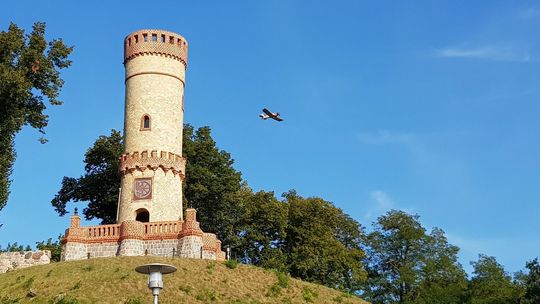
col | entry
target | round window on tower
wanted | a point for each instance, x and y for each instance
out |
(145, 123)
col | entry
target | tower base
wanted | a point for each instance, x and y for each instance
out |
(132, 238)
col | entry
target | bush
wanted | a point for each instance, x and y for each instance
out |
(283, 279)
(232, 264)
(207, 295)
(309, 295)
(275, 290)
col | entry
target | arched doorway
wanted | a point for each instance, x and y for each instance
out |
(142, 216)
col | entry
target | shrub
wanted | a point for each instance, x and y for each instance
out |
(309, 295)
(207, 295)
(186, 288)
(232, 264)
(283, 279)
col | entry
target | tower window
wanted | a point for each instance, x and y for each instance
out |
(129, 41)
(145, 123)
(154, 37)
(162, 38)
(145, 36)
(136, 38)
(171, 40)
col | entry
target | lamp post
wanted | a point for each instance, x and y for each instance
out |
(228, 252)
(155, 274)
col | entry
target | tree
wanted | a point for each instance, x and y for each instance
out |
(491, 284)
(407, 265)
(442, 278)
(13, 247)
(54, 247)
(99, 185)
(394, 257)
(264, 224)
(323, 244)
(29, 76)
(532, 282)
(212, 185)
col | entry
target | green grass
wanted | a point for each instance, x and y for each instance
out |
(114, 280)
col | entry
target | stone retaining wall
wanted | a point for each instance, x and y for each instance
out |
(22, 259)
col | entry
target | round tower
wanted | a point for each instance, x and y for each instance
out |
(152, 167)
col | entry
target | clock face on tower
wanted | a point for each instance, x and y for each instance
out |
(142, 188)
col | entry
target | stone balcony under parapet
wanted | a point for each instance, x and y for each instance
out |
(167, 161)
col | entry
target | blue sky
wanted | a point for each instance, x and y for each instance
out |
(430, 107)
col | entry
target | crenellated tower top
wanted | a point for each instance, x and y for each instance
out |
(156, 42)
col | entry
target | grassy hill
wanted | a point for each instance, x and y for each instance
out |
(113, 280)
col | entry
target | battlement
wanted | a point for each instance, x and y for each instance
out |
(155, 42)
(153, 160)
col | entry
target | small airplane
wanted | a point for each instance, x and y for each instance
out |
(267, 114)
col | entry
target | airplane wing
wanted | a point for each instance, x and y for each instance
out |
(265, 110)
(277, 118)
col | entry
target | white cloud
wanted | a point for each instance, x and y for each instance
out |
(485, 53)
(380, 202)
(384, 137)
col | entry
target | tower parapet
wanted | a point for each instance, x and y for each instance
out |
(155, 42)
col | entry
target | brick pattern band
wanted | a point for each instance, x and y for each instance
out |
(156, 42)
(167, 161)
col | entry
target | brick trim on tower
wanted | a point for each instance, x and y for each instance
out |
(169, 44)
(167, 161)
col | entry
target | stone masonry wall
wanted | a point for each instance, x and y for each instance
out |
(15, 260)
(102, 250)
(161, 247)
(73, 251)
(190, 247)
(131, 248)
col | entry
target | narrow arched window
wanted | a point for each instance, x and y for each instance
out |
(145, 122)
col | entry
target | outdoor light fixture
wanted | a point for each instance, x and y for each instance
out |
(228, 252)
(155, 274)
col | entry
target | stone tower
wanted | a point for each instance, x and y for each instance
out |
(152, 167)
(150, 217)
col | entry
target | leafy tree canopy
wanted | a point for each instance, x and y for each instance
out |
(323, 244)
(100, 182)
(29, 76)
(212, 184)
(532, 282)
(407, 265)
(54, 247)
(264, 225)
(491, 284)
